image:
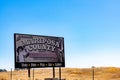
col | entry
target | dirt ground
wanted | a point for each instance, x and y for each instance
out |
(100, 73)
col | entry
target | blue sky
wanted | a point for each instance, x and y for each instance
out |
(91, 29)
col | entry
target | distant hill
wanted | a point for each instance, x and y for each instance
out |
(101, 73)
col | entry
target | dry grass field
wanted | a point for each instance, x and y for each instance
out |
(101, 73)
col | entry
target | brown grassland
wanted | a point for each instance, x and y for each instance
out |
(100, 73)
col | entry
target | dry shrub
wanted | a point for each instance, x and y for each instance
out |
(3, 79)
(102, 73)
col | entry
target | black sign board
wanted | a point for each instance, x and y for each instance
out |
(34, 51)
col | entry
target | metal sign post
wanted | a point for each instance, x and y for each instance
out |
(59, 73)
(53, 72)
(29, 73)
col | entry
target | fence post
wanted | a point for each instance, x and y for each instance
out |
(93, 72)
(11, 74)
(33, 74)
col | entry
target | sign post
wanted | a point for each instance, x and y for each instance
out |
(59, 73)
(53, 72)
(29, 73)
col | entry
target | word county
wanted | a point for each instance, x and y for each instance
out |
(41, 43)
